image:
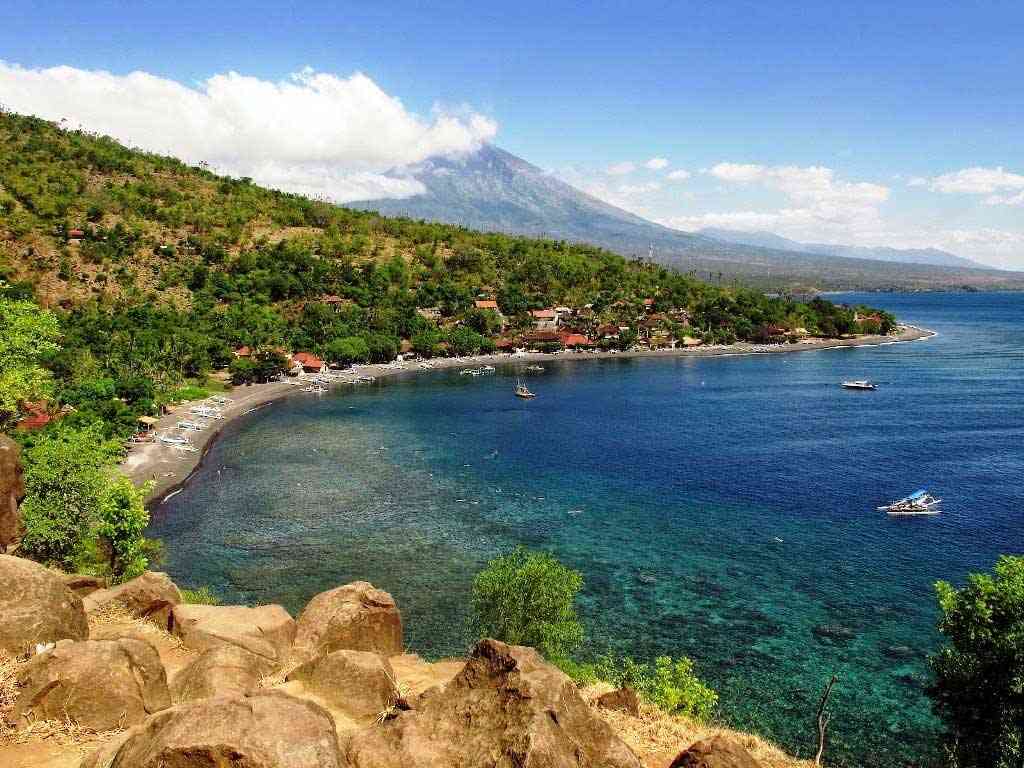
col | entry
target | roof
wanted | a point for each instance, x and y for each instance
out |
(330, 298)
(576, 340)
(37, 416)
(486, 304)
(306, 358)
(648, 302)
(149, 421)
(542, 336)
(243, 352)
(543, 314)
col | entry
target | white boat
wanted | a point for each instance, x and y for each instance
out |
(917, 503)
(193, 426)
(487, 369)
(859, 384)
(206, 412)
(315, 388)
(523, 392)
(219, 400)
(173, 439)
(534, 368)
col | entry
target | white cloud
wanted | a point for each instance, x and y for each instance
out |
(679, 175)
(737, 172)
(621, 169)
(977, 181)
(1017, 199)
(315, 133)
(632, 190)
(656, 164)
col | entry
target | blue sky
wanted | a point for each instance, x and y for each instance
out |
(894, 96)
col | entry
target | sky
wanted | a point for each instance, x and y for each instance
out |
(861, 123)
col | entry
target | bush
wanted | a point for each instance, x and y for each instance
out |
(670, 684)
(527, 598)
(977, 688)
(199, 596)
(122, 522)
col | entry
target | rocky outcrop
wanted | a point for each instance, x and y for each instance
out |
(266, 631)
(226, 670)
(150, 596)
(36, 607)
(100, 684)
(266, 730)
(508, 708)
(355, 617)
(622, 700)
(717, 752)
(358, 682)
(12, 489)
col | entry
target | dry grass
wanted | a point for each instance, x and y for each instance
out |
(9, 668)
(114, 620)
(657, 735)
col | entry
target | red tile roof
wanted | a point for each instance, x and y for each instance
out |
(243, 352)
(543, 314)
(486, 304)
(576, 340)
(37, 417)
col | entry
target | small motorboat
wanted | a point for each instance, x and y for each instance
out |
(523, 392)
(917, 503)
(534, 368)
(859, 384)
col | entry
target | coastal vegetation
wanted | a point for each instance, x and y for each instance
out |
(528, 598)
(977, 690)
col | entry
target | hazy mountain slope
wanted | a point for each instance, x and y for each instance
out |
(495, 190)
(932, 256)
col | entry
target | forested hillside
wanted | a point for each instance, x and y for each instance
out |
(157, 272)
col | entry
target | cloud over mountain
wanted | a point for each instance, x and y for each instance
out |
(315, 133)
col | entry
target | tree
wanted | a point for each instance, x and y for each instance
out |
(977, 690)
(64, 487)
(27, 334)
(528, 598)
(122, 522)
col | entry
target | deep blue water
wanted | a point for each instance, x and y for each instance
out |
(719, 508)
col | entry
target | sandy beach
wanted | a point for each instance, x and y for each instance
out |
(168, 468)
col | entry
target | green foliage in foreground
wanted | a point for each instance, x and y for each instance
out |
(122, 522)
(527, 598)
(199, 596)
(27, 334)
(978, 690)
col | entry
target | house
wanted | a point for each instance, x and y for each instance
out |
(37, 417)
(75, 235)
(487, 304)
(310, 363)
(544, 319)
(243, 352)
(504, 344)
(648, 304)
(608, 331)
(334, 302)
(429, 313)
(575, 341)
(541, 338)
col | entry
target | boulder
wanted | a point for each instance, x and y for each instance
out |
(622, 700)
(507, 708)
(12, 489)
(717, 752)
(358, 682)
(82, 584)
(267, 730)
(355, 617)
(267, 630)
(224, 670)
(36, 607)
(150, 596)
(100, 684)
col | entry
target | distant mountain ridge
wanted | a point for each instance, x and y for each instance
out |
(492, 189)
(764, 239)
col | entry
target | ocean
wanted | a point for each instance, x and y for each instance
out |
(721, 508)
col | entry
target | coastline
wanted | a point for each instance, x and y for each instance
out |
(169, 470)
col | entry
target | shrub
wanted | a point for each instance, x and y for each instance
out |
(669, 684)
(977, 687)
(199, 596)
(122, 522)
(527, 598)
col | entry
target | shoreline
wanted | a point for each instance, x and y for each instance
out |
(169, 470)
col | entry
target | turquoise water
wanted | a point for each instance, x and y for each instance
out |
(719, 508)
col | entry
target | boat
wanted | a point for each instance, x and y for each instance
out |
(534, 368)
(918, 503)
(522, 391)
(859, 384)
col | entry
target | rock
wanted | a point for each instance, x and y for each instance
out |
(355, 617)
(267, 630)
(834, 632)
(623, 700)
(359, 682)
(36, 607)
(224, 670)
(82, 584)
(267, 730)
(900, 652)
(507, 708)
(12, 489)
(100, 684)
(717, 752)
(150, 596)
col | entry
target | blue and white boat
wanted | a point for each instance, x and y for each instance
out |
(918, 503)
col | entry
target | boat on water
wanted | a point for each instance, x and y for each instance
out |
(534, 368)
(523, 392)
(918, 503)
(859, 384)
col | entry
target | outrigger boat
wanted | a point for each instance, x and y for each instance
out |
(522, 391)
(534, 368)
(859, 384)
(917, 503)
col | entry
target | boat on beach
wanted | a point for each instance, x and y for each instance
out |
(859, 384)
(523, 392)
(918, 503)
